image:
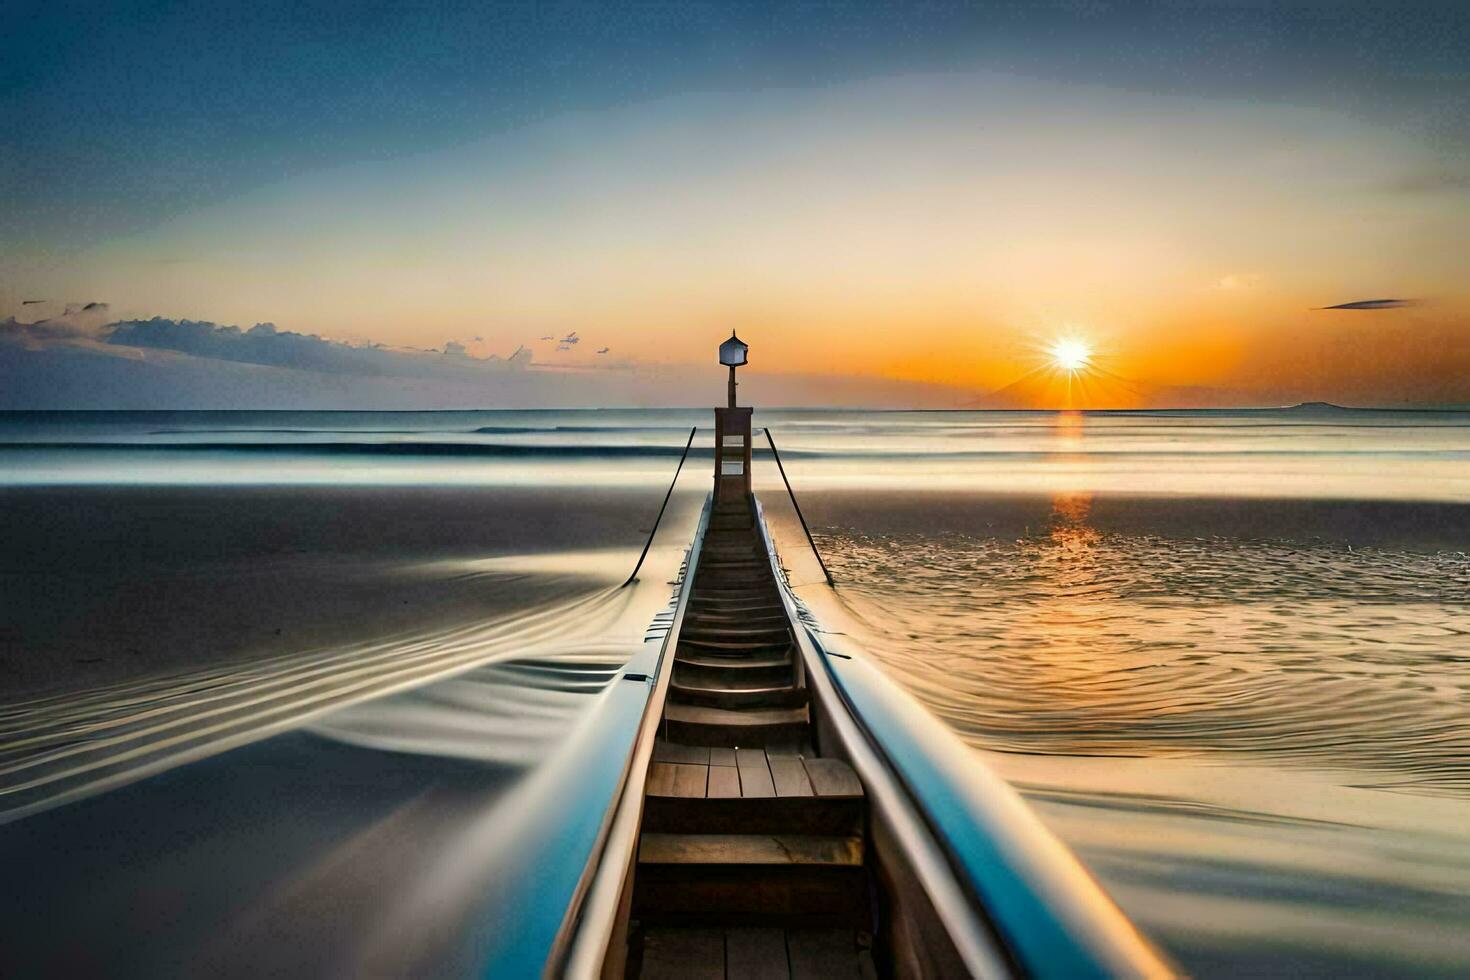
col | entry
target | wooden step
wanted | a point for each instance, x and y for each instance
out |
(695, 645)
(746, 613)
(696, 789)
(789, 895)
(761, 600)
(733, 633)
(710, 692)
(723, 581)
(745, 626)
(754, 815)
(726, 643)
(771, 617)
(748, 849)
(697, 953)
(765, 591)
(743, 596)
(698, 725)
(740, 670)
(724, 556)
(728, 560)
(715, 661)
(735, 566)
(751, 574)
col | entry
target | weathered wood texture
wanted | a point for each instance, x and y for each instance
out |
(745, 828)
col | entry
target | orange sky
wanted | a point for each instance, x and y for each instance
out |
(930, 228)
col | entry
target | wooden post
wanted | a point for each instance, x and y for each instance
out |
(732, 452)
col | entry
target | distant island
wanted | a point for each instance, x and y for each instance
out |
(1316, 407)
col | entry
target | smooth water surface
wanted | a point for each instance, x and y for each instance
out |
(1224, 654)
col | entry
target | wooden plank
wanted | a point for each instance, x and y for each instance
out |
(724, 783)
(722, 757)
(789, 776)
(756, 783)
(661, 779)
(722, 894)
(756, 954)
(822, 953)
(674, 954)
(750, 757)
(749, 718)
(832, 777)
(789, 746)
(762, 849)
(689, 781)
(674, 752)
(733, 814)
(755, 775)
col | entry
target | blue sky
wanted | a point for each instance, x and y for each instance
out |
(121, 114)
(917, 194)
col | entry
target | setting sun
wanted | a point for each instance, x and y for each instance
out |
(1070, 354)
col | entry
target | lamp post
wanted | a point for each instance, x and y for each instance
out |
(733, 355)
(732, 432)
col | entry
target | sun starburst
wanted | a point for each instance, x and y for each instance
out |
(1070, 354)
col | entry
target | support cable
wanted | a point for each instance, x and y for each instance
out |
(775, 452)
(649, 543)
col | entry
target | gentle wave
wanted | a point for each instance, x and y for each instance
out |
(1082, 642)
(64, 747)
(624, 450)
(363, 448)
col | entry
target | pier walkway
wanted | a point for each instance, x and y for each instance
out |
(751, 860)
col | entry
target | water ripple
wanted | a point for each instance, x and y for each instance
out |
(1074, 641)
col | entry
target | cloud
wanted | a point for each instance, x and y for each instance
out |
(81, 323)
(68, 376)
(266, 344)
(1238, 280)
(1370, 304)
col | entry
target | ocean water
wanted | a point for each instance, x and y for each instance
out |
(1225, 654)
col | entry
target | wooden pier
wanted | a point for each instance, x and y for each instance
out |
(785, 810)
(751, 861)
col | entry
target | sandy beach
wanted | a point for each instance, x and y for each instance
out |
(112, 584)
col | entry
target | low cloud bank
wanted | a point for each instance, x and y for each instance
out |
(84, 359)
(265, 344)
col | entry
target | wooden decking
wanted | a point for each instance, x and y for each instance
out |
(705, 772)
(752, 954)
(752, 857)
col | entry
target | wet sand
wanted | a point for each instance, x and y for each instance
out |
(109, 584)
(294, 821)
(1360, 523)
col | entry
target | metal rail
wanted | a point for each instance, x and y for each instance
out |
(589, 927)
(799, 516)
(649, 543)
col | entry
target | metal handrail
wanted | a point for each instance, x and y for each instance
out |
(649, 543)
(589, 924)
(799, 516)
